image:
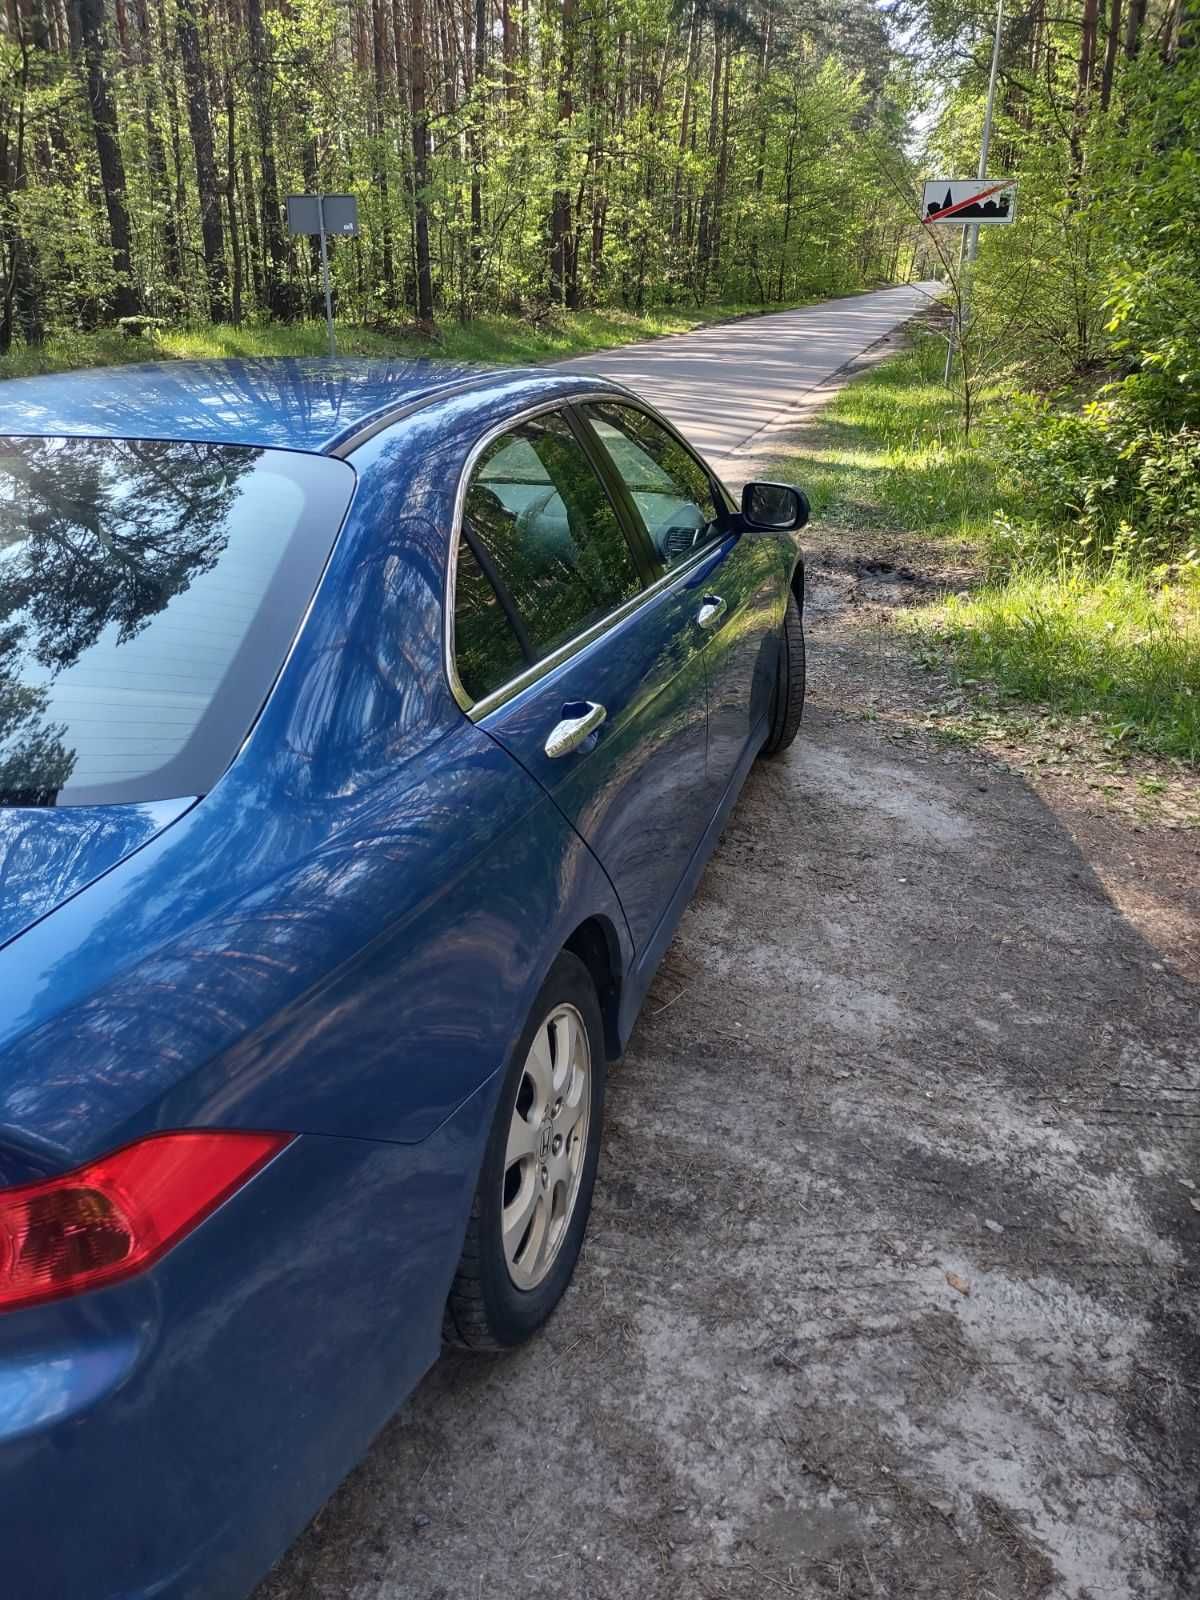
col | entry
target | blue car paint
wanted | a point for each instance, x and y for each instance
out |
(296, 1320)
(294, 404)
(341, 940)
(46, 856)
(637, 794)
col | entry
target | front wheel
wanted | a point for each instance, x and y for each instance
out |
(787, 703)
(535, 1186)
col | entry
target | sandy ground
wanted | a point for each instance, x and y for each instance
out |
(891, 1284)
(890, 1288)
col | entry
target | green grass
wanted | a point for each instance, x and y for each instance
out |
(1120, 644)
(892, 454)
(485, 339)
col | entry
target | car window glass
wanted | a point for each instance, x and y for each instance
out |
(541, 553)
(670, 488)
(149, 591)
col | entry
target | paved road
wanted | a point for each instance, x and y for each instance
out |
(722, 386)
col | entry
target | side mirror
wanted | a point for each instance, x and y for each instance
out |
(774, 507)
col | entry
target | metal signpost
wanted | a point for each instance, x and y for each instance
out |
(972, 204)
(324, 214)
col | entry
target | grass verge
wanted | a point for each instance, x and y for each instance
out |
(892, 455)
(1118, 646)
(509, 340)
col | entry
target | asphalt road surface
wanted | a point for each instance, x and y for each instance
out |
(727, 386)
(890, 1288)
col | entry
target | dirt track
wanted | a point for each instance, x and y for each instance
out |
(891, 1285)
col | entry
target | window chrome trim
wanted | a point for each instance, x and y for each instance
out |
(478, 709)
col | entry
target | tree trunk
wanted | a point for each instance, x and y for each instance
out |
(1111, 45)
(764, 62)
(1087, 48)
(478, 155)
(156, 150)
(21, 303)
(420, 148)
(1133, 27)
(562, 278)
(507, 47)
(693, 51)
(90, 13)
(379, 144)
(722, 172)
(235, 242)
(704, 239)
(212, 234)
(276, 296)
(254, 251)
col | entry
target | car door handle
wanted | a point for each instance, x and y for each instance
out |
(711, 612)
(567, 735)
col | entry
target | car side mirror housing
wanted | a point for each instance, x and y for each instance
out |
(773, 508)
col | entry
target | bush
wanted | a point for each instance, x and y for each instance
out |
(1103, 486)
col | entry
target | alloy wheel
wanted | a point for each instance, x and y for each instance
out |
(547, 1138)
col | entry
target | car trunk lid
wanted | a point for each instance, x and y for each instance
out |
(48, 854)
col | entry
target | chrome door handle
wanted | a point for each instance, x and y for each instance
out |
(570, 733)
(711, 611)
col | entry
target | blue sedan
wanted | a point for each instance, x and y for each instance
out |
(364, 730)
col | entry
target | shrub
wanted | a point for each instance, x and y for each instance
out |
(1104, 486)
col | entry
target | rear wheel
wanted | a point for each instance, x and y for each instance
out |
(787, 704)
(535, 1186)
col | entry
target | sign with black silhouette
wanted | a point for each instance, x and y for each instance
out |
(969, 200)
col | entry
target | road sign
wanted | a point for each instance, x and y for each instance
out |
(978, 200)
(304, 212)
(324, 214)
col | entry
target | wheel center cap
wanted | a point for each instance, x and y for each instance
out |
(544, 1139)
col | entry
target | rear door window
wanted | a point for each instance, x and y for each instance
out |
(542, 555)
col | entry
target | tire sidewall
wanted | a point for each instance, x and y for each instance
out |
(513, 1314)
(781, 699)
(787, 705)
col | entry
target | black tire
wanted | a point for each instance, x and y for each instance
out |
(787, 704)
(486, 1309)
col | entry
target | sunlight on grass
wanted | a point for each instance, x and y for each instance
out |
(892, 454)
(889, 454)
(507, 340)
(1118, 645)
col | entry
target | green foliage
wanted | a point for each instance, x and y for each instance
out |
(1101, 486)
(1114, 646)
(1150, 157)
(685, 154)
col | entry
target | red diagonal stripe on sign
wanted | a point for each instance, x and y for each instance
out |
(971, 200)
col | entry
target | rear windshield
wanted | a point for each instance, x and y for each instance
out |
(149, 591)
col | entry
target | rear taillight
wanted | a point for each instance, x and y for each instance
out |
(116, 1216)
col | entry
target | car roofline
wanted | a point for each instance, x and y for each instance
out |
(342, 446)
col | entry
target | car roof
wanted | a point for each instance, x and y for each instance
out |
(296, 403)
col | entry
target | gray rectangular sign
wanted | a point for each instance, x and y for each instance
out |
(341, 214)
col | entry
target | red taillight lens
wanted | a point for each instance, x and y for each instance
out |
(115, 1216)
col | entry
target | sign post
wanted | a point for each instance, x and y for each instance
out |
(975, 201)
(323, 214)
